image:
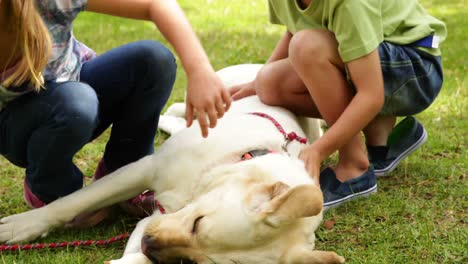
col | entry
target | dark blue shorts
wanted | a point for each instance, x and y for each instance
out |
(412, 79)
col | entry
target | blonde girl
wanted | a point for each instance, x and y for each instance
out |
(25, 45)
(79, 94)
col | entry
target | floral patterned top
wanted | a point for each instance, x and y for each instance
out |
(68, 54)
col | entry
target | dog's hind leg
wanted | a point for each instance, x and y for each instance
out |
(173, 120)
(176, 109)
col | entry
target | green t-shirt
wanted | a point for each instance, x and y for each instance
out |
(361, 25)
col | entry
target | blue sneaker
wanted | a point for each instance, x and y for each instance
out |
(336, 193)
(406, 137)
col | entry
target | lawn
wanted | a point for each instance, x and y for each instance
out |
(419, 214)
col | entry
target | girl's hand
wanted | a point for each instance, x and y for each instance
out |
(206, 98)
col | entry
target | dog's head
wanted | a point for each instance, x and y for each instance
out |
(244, 214)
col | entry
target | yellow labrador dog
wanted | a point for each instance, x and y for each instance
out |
(238, 196)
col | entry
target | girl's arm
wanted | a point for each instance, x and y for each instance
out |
(206, 95)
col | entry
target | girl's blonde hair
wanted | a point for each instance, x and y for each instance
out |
(32, 41)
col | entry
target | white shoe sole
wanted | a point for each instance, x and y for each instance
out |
(350, 197)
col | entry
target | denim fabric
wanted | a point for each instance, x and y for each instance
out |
(126, 87)
(412, 79)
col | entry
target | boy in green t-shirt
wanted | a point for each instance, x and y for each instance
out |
(358, 65)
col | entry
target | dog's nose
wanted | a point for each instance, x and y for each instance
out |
(152, 249)
(147, 247)
(145, 240)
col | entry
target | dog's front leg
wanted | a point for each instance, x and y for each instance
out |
(133, 258)
(120, 185)
(133, 254)
(134, 242)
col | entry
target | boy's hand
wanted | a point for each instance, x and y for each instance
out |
(206, 98)
(242, 90)
(312, 162)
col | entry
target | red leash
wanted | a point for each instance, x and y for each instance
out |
(78, 243)
(287, 136)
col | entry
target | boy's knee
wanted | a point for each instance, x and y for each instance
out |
(317, 44)
(265, 86)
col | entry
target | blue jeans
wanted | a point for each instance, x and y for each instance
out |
(412, 79)
(126, 87)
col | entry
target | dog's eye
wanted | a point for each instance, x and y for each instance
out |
(196, 223)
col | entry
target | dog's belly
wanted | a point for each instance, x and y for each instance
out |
(186, 155)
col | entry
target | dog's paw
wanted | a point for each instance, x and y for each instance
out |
(26, 226)
(133, 258)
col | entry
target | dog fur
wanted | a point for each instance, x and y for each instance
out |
(219, 209)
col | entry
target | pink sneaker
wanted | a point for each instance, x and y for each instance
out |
(30, 198)
(141, 206)
(100, 171)
(91, 219)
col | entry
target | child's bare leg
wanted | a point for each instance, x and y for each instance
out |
(314, 56)
(278, 84)
(378, 130)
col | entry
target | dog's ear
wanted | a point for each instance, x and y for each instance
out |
(301, 255)
(288, 204)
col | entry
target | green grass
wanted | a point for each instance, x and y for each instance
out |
(418, 215)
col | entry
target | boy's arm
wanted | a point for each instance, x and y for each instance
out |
(367, 77)
(205, 92)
